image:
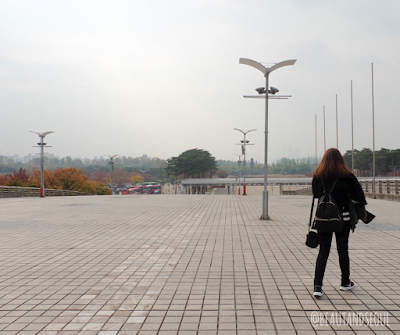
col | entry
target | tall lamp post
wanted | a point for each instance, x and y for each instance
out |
(373, 132)
(316, 152)
(266, 71)
(243, 144)
(352, 137)
(337, 134)
(324, 131)
(237, 173)
(239, 168)
(42, 145)
(111, 162)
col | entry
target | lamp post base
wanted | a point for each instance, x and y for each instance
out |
(265, 215)
(41, 192)
(244, 189)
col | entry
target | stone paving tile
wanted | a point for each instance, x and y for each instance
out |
(135, 265)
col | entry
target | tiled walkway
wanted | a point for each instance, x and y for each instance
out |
(188, 264)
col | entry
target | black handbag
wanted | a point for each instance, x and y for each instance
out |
(312, 240)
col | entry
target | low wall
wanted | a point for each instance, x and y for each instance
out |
(16, 191)
(383, 196)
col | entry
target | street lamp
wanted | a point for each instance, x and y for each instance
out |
(324, 130)
(239, 167)
(243, 144)
(352, 137)
(41, 145)
(266, 71)
(373, 132)
(111, 162)
(236, 173)
(316, 138)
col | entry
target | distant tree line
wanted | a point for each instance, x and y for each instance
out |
(292, 166)
(286, 166)
(154, 167)
(387, 162)
(194, 163)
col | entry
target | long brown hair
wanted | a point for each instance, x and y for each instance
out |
(332, 166)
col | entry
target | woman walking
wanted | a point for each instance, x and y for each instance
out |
(333, 169)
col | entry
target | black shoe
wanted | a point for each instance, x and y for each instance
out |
(318, 291)
(347, 287)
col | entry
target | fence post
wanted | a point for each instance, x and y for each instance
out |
(380, 186)
(388, 186)
(396, 186)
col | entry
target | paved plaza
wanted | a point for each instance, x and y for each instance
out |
(188, 265)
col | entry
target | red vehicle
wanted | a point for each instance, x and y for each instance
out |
(140, 189)
(153, 189)
(136, 190)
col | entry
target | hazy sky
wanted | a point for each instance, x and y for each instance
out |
(161, 77)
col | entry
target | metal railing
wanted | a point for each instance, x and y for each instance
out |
(16, 191)
(390, 186)
(303, 191)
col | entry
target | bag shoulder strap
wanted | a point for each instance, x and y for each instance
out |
(333, 186)
(312, 208)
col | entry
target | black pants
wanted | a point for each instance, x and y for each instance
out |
(342, 243)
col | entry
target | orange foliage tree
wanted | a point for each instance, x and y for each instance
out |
(19, 178)
(136, 179)
(67, 179)
(49, 179)
(71, 179)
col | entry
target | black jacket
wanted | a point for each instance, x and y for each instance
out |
(344, 187)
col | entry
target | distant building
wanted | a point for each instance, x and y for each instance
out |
(17, 158)
(45, 154)
(28, 158)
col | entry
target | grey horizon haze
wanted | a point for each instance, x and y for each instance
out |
(158, 78)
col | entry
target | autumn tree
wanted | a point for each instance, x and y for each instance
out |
(136, 179)
(49, 180)
(71, 179)
(121, 177)
(18, 178)
(100, 188)
(100, 175)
